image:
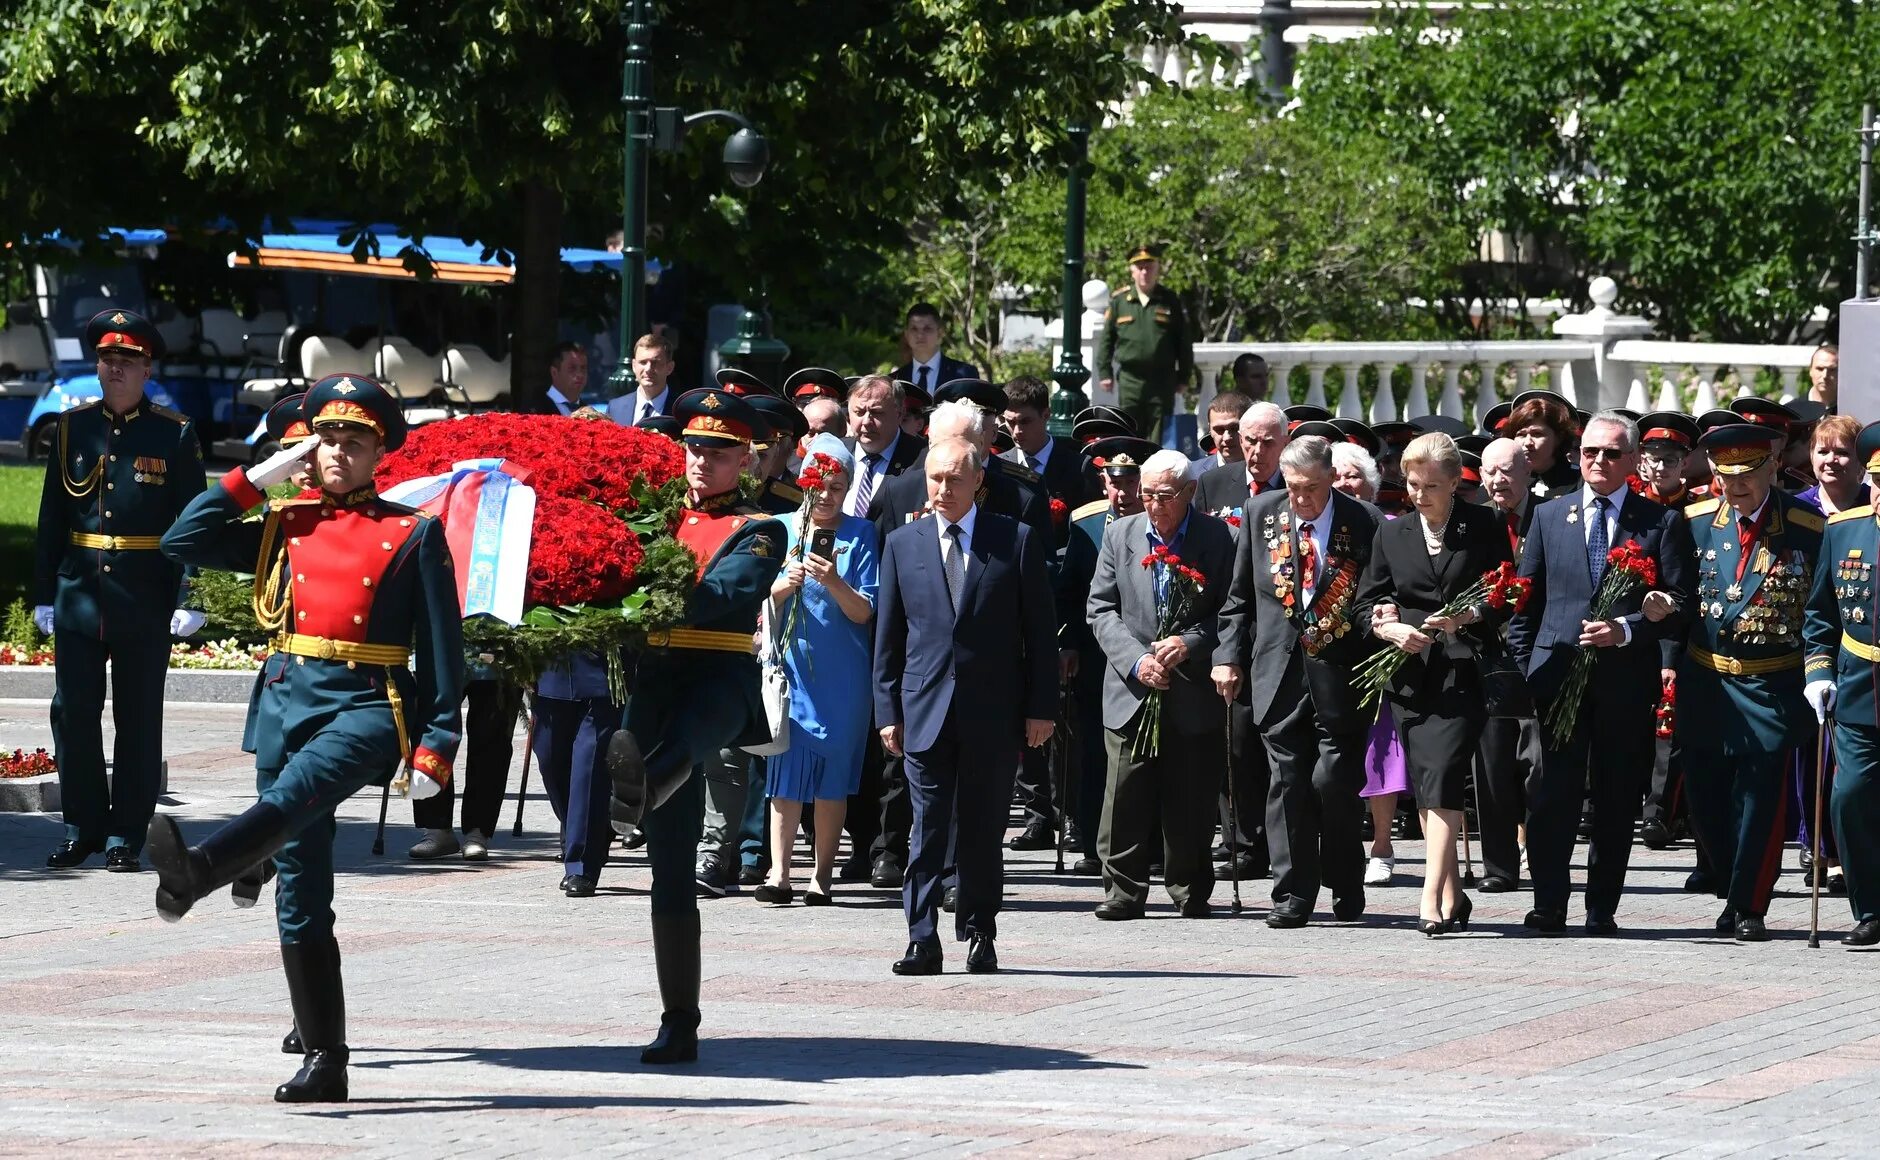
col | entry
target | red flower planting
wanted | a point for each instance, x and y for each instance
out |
(20, 763)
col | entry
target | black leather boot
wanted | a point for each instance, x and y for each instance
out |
(291, 1044)
(626, 767)
(187, 874)
(245, 891)
(676, 958)
(313, 985)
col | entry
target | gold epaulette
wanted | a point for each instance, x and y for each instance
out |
(1802, 517)
(171, 414)
(1699, 510)
(1094, 507)
(787, 491)
(1861, 512)
(1018, 471)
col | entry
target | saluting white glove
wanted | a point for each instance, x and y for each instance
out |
(186, 622)
(42, 619)
(424, 786)
(1820, 698)
(281, 464)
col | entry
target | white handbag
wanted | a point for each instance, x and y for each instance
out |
(774, 687)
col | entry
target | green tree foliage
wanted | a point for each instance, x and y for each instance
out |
(1701, 152)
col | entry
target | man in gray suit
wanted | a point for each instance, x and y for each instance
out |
(1158, 635)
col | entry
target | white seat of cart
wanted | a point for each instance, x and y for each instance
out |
(473, 377)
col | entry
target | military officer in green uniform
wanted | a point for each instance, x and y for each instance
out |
(1842, 634)
(784, 425)
(120, 472)
(1740, 706)
(695, 692)
(352, 587)
(1146, 334)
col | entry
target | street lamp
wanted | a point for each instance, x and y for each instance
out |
(746, 156)
(1070, 373)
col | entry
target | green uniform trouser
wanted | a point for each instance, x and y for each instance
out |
(679, 729)
(1739, 810)
(96, 812)
(1854, 808)
(1149, 404)
(325, 772)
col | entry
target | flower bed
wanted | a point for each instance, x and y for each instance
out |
(20, 763)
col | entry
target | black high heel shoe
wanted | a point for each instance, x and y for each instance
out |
(1459, 918)
(1431, 927)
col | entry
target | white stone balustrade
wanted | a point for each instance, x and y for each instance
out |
(1703, 364)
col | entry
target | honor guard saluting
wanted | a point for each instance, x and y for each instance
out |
(1843, 672)
(1740, 706)
(347, 582)
(120, 471)
(695, 693)
(1146, 333)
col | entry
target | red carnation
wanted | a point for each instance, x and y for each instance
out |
(1059, 510)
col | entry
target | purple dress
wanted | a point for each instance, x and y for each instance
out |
(1384, 768)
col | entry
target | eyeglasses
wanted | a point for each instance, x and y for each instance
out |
(1161, 496)
(1609, 454)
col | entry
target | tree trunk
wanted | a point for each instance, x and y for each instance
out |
(537, 297)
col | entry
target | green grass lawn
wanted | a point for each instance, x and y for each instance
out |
(19, 513)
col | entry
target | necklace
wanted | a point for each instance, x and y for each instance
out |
(1432, 537)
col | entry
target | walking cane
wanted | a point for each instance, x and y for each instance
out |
(1233, 814)
(1468, 855)
(1822, 743)
(1059, 759)
(522, 791)
(378, 839)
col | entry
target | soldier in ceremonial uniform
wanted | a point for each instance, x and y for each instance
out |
(288, 428)
(785, 426)
(120, 472)
(696, 693)
(1147, 335)
(1740, 707)
(352, 586)
(1842, 635)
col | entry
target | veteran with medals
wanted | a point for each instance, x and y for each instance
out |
(120, 472)
(1740, 706)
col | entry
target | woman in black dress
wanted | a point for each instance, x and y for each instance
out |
(1421, 562)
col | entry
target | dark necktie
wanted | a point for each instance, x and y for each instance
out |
(865, 486)
(646, 411)
(920, 380)
(955, 566)
(1596, 540)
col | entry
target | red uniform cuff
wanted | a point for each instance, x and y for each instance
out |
(431, 765)
(241, 490)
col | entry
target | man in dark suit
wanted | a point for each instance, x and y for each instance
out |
(1157, 626)
(652, 372)
(965, 676)
(1510, 752)
(1565, 555)
(927, 368)
(1287, 633)
(1225, 490)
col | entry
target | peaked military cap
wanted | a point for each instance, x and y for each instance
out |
(814, 382)
(667, 425)
(742, 382)
(1441, 424)
(287, 423)
(1670, 427)
(1099, 421)
(978, 392)
(1120, 454)
(782, 420)
(1359, 432)
(1867, 447)
(1736, 448)
(1147, 252)
(1763, 412)
(913, 398)
(356, 401)
(127, 330)
(1496, 418)
(715, 417)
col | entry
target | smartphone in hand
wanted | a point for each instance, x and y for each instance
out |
(823, 544)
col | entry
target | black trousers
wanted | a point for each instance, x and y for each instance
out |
(1665, 797)
(115, 812)
(1510, 755)
(1617, 769)
(1089, 769)
(489, 731)
(966, 776)
(880, 817)
(1174, 787)
(1313, 811)
(1252, 775)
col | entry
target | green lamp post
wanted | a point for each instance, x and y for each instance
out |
(1071, 374)
(746, 155)
(753, 348)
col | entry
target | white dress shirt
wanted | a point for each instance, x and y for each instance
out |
(630, 409)
(933, 373)
(560, 400)
(1321, 536)
(966, 539)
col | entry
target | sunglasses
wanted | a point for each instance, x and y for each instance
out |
(1609, 454)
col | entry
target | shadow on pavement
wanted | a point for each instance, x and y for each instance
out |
(800, 1059)
(419, 1105)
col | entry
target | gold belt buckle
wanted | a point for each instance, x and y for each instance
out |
(1732, 665)
(328, 649)
(110, 543)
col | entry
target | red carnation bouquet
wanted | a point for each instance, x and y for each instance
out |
(1498, 589)
(813, 481)
(1668, 707)
(603, 565)
(1184, 588)
(1628, 571)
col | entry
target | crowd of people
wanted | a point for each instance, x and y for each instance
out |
(920, 610)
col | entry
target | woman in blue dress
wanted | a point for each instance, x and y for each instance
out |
(827, 656)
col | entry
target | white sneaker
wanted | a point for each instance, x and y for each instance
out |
(476, 846)
(1379, 871)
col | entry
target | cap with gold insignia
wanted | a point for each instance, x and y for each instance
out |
(978, 392)
(1737, 448)
(1099, 422)
(742, 382)
(1668, 429)
(125, 330)
(1867, 447)
(782, 421)
(815, 382)
(287, 425)
(1717, 417)
(357, 401)
(1147, 252)
(717, 418)
(1118, 455)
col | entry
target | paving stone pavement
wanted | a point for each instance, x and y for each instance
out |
(491, 1016)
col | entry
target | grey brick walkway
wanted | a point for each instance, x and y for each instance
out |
(491, 1016)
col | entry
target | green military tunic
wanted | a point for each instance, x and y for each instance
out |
(1151, 346)
(1843, 645)
(1740, 706)
(113, 485)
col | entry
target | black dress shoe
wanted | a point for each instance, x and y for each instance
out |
(775, 895)
(1700, 882)
(1117, 910)
(122, 860)
(1496, 884)
(920, 959)
(68, 854)
(1348, 909)
(575, 886)
(981, 958)
(1219, 854)
(1750, 928)
(887, 873)
(1247, 868)
(950, 901)
(291, 1044)
(1155, 869)
(1086, 867)
(1287, 917)
(1726, 922)
(434, 845)
(853, 870)
(1601, 926)
(1654, 834)
(1036, 836)
(750, 875)
(1197, 908)
(1865, 934)
(1073, 837)
(1546, 921)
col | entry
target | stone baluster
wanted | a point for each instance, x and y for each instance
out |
(1523, 375)
(1450, 403)
(1174, 69)
(1350, 404)
(1384, 403)
(1745, 382)
(1706, 390)
(1277, 390)
(1635, 396)
(1417, 403)
(1487, 393)
(1670, 398)
(1315, 389)
(1790, 375)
